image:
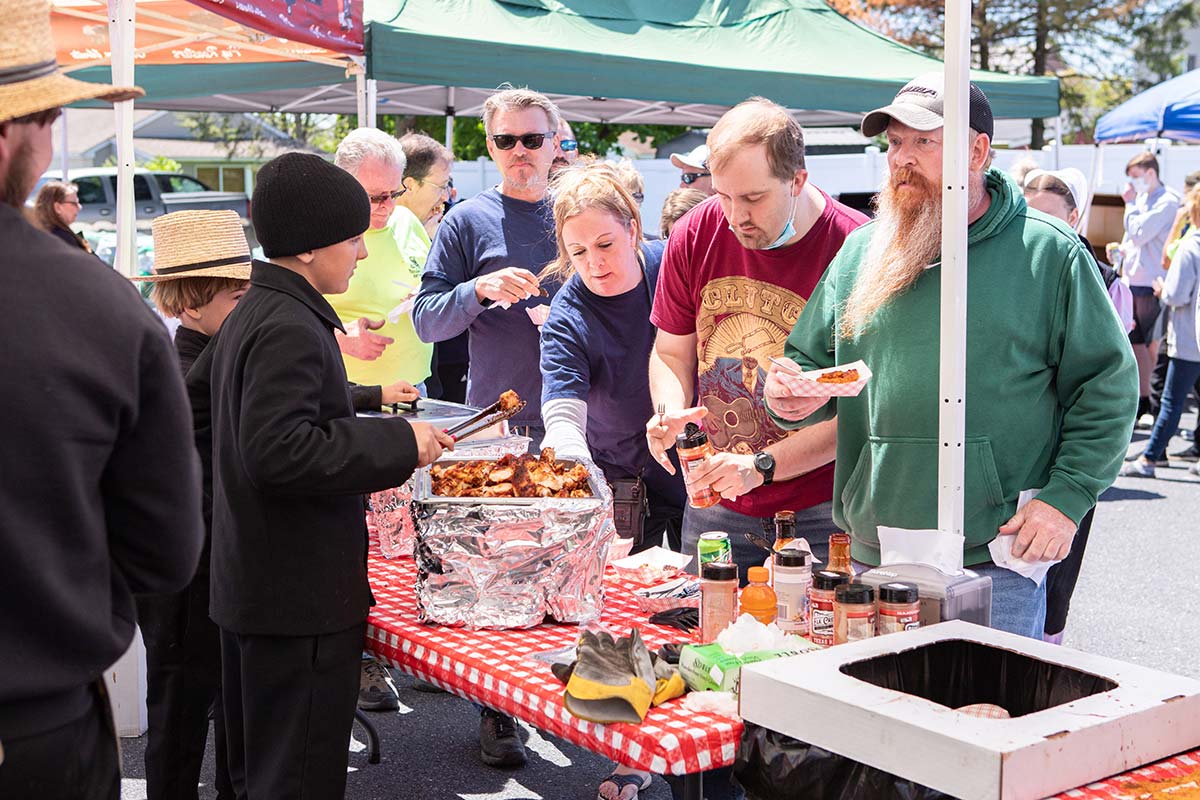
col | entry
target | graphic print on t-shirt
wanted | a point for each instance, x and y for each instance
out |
(740, 325)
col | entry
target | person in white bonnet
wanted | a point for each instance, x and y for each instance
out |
(1063, 194)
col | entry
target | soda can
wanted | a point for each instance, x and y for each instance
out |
(714, 546)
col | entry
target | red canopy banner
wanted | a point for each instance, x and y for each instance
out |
(171, 32)
(336, 25)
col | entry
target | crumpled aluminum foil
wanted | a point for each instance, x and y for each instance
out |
(509, 562)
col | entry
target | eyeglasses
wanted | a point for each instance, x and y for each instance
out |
(691, 177)
(380, 199)
(530, 141)
(568, 144)
(441, 187)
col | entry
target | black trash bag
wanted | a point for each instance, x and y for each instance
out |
(772, 766)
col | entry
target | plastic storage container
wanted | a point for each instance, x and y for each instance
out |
(967, 596)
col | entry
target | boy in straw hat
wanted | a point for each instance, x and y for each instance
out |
(291, 465)
(201, 270)
(101, 492)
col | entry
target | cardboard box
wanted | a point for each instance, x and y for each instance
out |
(1076, 717)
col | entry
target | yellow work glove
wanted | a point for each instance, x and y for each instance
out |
(613, 679)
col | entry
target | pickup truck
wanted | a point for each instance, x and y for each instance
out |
(154, 194)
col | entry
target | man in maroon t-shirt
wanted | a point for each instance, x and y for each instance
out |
(736, 273)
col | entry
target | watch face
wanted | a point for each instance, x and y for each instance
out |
(765, 462)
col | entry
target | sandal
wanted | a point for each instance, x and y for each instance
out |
(622, 780)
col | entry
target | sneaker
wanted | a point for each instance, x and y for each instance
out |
(1190, 454)
(1145, 421)
(376, 692)
(1138, 469)
(499, 742)
(1195, 468)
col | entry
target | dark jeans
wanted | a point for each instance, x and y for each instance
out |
(1181, 376)
(183, 681)
(75, 761)
(289, 706)
(1061, 579)
(814, 524)
(1158, 379)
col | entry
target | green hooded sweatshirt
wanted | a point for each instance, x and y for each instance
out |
(1051, 381)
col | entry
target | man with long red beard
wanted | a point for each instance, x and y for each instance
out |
(1051, 384)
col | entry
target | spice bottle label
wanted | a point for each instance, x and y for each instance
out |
(821, 617)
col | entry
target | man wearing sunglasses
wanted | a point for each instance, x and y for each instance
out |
(694, 166)
(480, 276)
(567, 148)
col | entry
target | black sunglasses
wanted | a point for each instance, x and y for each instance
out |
(691, 177)
(530, 141)
(380, 199)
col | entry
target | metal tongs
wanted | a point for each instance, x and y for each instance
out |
(486, 418)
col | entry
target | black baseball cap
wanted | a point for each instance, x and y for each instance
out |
(919, 105)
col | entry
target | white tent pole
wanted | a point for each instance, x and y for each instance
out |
(371, 102)
(450, 118)
(64, 147)
(360, 89)
(120, 37)
(952, 412)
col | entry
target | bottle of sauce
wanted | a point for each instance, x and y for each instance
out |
(785, 528)
(790, 578)
(853, 613)
(693, 447)
(839, 554)
(899, 608)
(758, 598)
(820, 605)
(718, 598)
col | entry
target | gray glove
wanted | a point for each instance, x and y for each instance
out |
(613, 680)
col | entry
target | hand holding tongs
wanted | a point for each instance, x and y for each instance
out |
(486, 418)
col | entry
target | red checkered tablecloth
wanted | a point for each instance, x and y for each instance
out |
(1176, 778)
(495, 668)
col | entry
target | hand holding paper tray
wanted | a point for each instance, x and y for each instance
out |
(846, 380)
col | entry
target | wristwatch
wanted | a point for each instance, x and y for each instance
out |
(764, 462)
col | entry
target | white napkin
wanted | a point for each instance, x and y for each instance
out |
(932, 547)
(1001, 550)
(405, 307)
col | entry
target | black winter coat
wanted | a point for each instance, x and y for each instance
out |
(99, 482)
(291, 465)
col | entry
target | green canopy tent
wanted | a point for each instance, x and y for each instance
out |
(680, 62)
(703, 55)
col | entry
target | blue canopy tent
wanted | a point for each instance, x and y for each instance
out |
(1170, 110)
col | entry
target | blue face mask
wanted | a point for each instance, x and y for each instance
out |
(789, 230)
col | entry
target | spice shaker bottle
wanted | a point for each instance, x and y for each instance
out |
(820, 605)
(693, 446)
(758, 599)
(853, 613)
(791, 577)
(899, 608)
(718, 598)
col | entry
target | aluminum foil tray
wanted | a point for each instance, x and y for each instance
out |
(503, 562)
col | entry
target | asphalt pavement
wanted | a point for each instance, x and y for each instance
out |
(1135, 601)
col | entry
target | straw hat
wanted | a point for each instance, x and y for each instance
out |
(30, 80)
(199, 244)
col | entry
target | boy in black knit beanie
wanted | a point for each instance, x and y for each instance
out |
(291, 465)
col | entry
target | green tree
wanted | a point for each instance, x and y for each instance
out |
(1074, 39)
(236, 132)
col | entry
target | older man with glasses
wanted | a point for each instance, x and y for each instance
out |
(479, 276)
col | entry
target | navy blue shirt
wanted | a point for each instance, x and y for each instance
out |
(488, 233)
(597, 349)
